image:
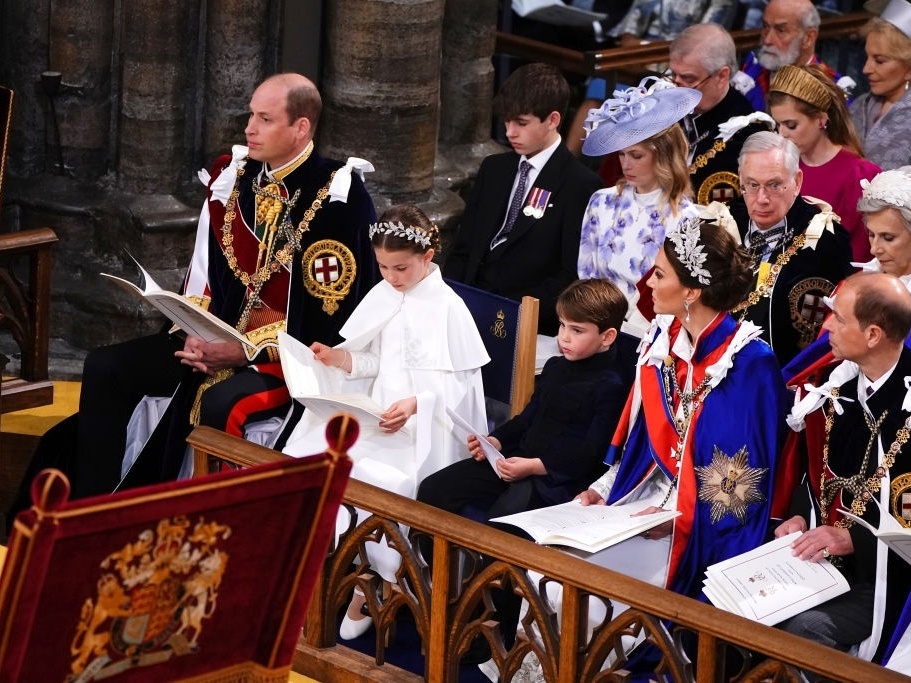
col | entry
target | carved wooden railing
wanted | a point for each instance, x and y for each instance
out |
(451, 604)
(600, 62)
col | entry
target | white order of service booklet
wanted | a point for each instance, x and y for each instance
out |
(769, 584)
(890, 532)
(586, 527)
(463, 429)
(191, 318)
(318, 387)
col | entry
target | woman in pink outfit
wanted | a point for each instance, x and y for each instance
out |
(810, 111)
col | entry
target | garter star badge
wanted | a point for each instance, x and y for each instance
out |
(719, 187)
(329, 270)
(730, 484)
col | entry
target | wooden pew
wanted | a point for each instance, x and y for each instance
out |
(636, 59)
(450, 604)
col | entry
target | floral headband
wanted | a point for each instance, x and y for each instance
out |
(892, 187)
(408, 232)
(688, 249)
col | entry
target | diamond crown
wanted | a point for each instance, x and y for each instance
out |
(688, 249)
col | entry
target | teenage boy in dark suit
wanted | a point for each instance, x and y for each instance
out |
(520, 231)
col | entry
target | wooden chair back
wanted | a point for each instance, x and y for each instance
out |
(206, 579)
(509, 331)
(24, 306)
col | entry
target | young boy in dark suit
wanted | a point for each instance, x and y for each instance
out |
(520, 231)
(555, 445)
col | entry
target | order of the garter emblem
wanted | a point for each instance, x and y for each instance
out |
(900, 499)
(807, 307)
(329, 270)
(730, 484)
(153, 597)
(722, 186)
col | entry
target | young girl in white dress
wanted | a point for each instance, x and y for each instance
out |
(413, 347)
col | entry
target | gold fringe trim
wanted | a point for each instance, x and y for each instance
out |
(209, 381)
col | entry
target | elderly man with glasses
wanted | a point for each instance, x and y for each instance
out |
(800, 251)
(789, 32)
(703, 57)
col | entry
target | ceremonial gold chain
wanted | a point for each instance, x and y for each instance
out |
(689, 402)
(282, 256)
(703, 159)
(765, 287)
(862, 490)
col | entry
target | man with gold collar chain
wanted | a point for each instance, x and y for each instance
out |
(704, 57)
(800, 251)
(282, 244)
(856, 427)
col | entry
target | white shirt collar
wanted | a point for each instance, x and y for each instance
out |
(863, 382)
(538, 160)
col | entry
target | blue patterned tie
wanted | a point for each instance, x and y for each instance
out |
(517, 198)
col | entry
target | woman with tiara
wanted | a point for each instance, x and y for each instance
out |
(700, 431)
(810, 111)
(708, 401)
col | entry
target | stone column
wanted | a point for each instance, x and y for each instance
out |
(467, 76)
(23, 56)
(81, 37)
(381, 90)
(159, 48)
(235, 33)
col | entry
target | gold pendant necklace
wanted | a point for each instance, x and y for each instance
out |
(268, 259)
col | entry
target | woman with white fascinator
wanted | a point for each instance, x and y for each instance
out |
(624, 225)
(885, 203)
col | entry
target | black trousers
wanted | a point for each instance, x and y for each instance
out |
(472, 489)
(89, 446)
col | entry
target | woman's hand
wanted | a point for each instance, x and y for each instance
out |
(656, 532)
(590, 497)
(398, 413)
(209, 357)
(474, 446)
(516, 469)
